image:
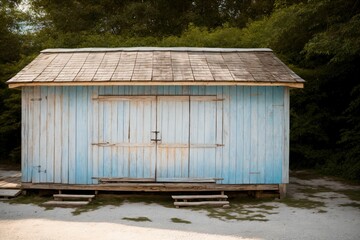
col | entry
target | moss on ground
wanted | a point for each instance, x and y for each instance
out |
(352, 194)
(35, 199)
(314, 190)
(98, 202)
(241, 209)
(179, 220)
(306, 174)
(118, 200)
(302, 203)
(352, 204)
(138, 219)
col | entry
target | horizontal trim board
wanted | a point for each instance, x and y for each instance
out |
(150, 83)
(124, 98)
(186, 145)
(129, 145)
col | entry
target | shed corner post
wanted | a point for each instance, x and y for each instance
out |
(282, 190)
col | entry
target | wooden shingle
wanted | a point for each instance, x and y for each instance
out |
(156, 66)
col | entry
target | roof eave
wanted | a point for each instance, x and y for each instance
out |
(157, 83)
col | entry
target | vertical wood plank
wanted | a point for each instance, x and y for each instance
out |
(58, 114)
(25, 121)
(285, 166)
(253, 135)
(210, 132)
(32, 163)
(101, 135)
(81, 135)
(233, 120)
(140, 136)
(133, 137)
(227, 172)
(219, 133)
(95, 134)
(278, 133)
(65, 136)
(72, 134)
(43, 136)
(269, 162)
(239, 131)
(114, 136)
(247, 135)
(107, 131)
(91, 128)
(261, 136)
(122, 121)
(50, 134)
(36, 136)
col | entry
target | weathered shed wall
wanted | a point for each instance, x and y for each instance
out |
(61, 124)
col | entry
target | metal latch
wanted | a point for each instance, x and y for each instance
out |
(156, 139)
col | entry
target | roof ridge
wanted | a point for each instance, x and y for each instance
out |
(154, 49)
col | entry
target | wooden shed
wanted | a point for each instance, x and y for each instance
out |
(155, 119)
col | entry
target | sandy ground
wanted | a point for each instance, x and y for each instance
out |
(331, 221)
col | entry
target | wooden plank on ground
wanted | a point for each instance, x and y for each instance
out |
(9, 192)
(209, 203)
(65, 203)
(73, 196)
(185, 197)
(10, 185)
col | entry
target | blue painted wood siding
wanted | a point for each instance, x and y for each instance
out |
(60, 125)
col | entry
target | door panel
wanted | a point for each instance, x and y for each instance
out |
(125, 147)
(173, 127)
(203, 117)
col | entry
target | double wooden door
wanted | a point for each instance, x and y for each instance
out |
(160, 138)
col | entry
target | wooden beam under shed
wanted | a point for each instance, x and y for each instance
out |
(155, 187)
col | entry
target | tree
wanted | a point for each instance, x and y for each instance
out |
(10, 55)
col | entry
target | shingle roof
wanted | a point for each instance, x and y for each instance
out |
(156, 66)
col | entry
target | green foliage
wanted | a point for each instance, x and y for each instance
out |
(340, 41)
(201, 37)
